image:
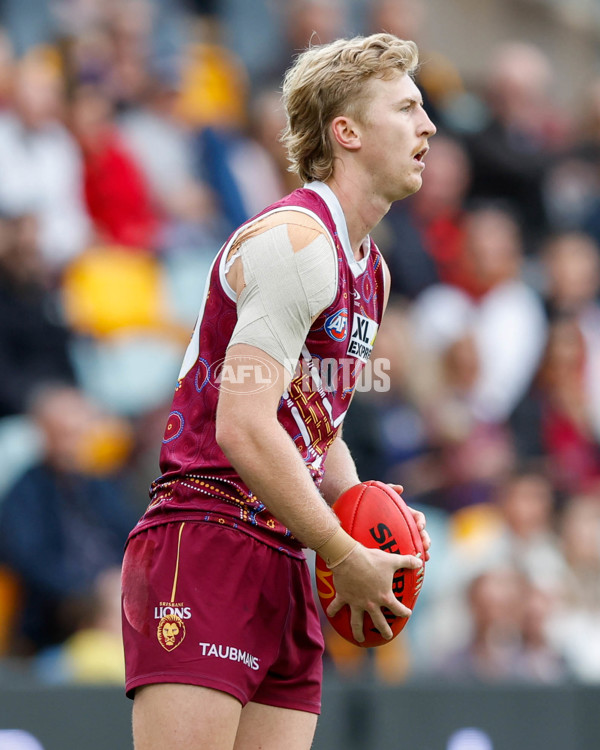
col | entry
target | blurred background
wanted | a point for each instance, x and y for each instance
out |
(135, 135)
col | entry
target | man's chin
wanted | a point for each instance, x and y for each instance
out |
(410, 187)
(416, 183)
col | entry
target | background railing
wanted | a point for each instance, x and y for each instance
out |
(355, 717)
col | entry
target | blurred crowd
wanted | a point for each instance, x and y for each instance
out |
(133, 139)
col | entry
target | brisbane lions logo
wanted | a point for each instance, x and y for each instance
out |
(170, 632)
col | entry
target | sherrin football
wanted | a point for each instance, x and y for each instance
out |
(376, 516)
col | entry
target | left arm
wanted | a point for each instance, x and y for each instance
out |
(340, 471)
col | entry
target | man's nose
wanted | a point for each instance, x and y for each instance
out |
(427, 127)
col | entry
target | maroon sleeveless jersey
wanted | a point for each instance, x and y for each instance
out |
(198, 482)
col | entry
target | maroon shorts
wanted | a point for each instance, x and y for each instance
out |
(208, 605)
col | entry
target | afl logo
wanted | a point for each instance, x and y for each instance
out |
(336, 325)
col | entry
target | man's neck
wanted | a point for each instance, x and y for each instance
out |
(362, 211)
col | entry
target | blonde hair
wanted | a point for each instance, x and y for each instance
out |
(329, 80)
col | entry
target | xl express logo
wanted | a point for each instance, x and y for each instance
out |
(364, 331)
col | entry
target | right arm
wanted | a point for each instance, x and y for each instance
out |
(267, 460)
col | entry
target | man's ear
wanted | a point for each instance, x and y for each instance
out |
(346, 132)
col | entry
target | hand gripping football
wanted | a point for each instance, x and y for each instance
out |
(376, 516)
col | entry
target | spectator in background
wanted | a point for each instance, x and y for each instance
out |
(116, 193)
(502, 313)
(541, 660)
(516, 527)
(469, 455)
(572, 182)
(515, 530)
(571, 261)
(260, 164)
(576, 627)
(528, 537)
(507, 633)
(306, 22)
(511, 154)
(110, 45)
(161, 142)
(492, 651)
(571, 264)
(66, 519)
(130, 26)
(34, 340)
(41, 165)
(212, 102)
(571, 188)
(554, 421)
(88, 55)
(94, 653)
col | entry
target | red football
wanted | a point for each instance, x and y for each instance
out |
(376, 516)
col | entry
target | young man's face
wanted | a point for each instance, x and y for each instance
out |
(394, 135)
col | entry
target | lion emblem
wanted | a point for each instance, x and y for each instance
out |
(170, 632)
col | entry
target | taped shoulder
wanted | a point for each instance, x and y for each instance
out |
(302, 229)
